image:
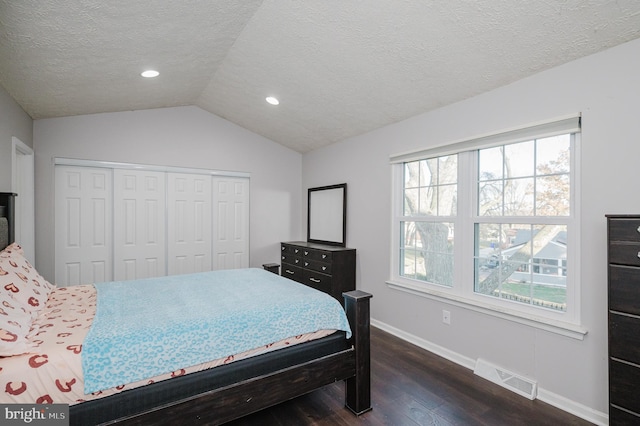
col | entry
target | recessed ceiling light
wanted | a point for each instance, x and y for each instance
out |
(272, 100)
(150, 73)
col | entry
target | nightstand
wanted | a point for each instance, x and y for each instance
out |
(272, 267)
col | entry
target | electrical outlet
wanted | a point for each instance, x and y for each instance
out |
(446, 317)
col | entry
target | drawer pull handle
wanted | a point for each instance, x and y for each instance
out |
(282, 248)
(314, 280)
(288, 271)
(307, 263)
(639, 254)
(324, 268)
(297, 260)
(324, 256)
(297, 250)
(638, 229)
(306, 253)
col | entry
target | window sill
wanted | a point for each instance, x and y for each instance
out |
(558, 327)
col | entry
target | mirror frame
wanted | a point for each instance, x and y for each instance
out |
(312, 211)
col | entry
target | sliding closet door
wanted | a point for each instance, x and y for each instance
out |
(189, 223)
(230, 222)
(118, 221)
(139, 224)
(83, 233)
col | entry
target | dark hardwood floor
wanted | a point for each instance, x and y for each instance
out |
(411, 386)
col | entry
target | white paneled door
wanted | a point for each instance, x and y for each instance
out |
(139, 231)
(189, 224)
(230, 222)
(83, 225)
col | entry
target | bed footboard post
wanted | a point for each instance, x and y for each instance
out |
(358, 388)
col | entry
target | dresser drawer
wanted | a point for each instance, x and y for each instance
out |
(619, 417)
(325, 268)
(624, 230)
(320, 255)
(624, 289)
(292, 272)
(624, 253)
(317, 280)
(289, 249)
(291, 259)
(623, 385)
(624, 337)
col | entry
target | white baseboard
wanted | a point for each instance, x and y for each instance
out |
(577, 409)
(558, 401)
(425, 344)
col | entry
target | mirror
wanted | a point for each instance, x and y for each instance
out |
(327, 215)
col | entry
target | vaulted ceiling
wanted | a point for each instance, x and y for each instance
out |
(340, 68)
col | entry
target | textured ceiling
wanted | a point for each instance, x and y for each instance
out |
(340, 68)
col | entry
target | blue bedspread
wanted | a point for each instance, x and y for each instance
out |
(149, 327)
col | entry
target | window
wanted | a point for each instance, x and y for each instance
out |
(430, 192)
(492, 221)
(517, 261)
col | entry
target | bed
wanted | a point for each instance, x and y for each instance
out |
(42, 327)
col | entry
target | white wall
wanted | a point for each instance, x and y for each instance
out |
(185, 137)
(605, 88)
(13, 122)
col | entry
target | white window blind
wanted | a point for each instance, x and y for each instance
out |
(570, 124)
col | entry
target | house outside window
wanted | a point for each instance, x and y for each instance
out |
(492, 221)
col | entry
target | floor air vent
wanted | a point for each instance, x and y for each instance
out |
(514, 382)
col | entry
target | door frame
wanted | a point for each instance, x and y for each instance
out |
(23, 184)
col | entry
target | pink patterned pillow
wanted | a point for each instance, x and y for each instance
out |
(15, 323)
(21, 282)
(13, 248)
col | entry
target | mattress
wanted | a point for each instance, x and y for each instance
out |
(52, 372)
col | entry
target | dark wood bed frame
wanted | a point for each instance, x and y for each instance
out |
(7, 209)
(235, 390)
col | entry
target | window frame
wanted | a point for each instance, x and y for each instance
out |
(462, 292)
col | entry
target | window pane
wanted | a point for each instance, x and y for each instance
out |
(428, 202)
(427, 252)
(428, 172)
(490, 198)
(447, 200)
(412, 174)
(552, 154)
(522, 263)
(519, 159)
(552, 196)
(448, 170)
(408, 263)
(407, 249)
(411, 197)
(490, 164)
(518, 197)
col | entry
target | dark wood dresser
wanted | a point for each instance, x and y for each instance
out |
(326, 268)
(624, 319)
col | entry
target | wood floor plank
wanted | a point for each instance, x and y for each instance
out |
(411, 386)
